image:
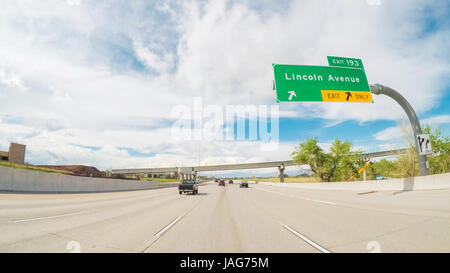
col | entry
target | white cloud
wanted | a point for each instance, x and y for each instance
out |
(159, 63)
(244, 44)
(389, 133)
(393, 133)
(442, 119)
(65, 72)
(11, 80)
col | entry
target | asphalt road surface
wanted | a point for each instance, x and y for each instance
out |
(227, 219)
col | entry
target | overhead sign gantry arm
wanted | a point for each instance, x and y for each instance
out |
(379, 89)
(343, 81)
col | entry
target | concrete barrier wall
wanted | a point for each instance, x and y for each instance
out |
(430, 182)
(33, 181)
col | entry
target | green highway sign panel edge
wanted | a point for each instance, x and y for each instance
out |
(320, 83)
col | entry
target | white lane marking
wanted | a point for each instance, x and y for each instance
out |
(161, 232)
(43, 218)
(325, 202)
(304, 238)
(307, 199)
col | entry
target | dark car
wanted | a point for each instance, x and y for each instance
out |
(230, 181)
(244, 184)
(216, 180)
(188, 186)
(222, 183)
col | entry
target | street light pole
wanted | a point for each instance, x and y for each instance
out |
(379, 89)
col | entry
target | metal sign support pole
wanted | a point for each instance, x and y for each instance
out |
(378, 89)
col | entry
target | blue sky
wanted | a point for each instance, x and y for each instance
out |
(98, 82)
(359, 133)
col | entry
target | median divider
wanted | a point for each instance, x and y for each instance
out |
(429, 182)
(19, 180)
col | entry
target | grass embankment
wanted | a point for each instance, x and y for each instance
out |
(161, 180)
(287, 179)
(30, 167)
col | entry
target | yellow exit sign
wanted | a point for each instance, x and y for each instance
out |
(346, 96)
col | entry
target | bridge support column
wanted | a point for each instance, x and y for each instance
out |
(364, 175)
(281, 169)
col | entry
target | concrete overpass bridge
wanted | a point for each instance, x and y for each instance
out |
(192, 172)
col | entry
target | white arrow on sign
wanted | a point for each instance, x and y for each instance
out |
(292, 93)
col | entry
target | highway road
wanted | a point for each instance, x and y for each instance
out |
(261, 218)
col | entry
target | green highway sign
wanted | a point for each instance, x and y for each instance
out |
(345, 62)
(321, 83)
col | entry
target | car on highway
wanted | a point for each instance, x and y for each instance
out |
(244, 184)
(216, 180)
(230, 181)
(222, 183)
(188, 185)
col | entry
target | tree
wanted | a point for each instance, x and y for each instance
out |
(310, 153)
(439, 162)
(347, 162)
(407, 165)
(337, 165)
(382, 167)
